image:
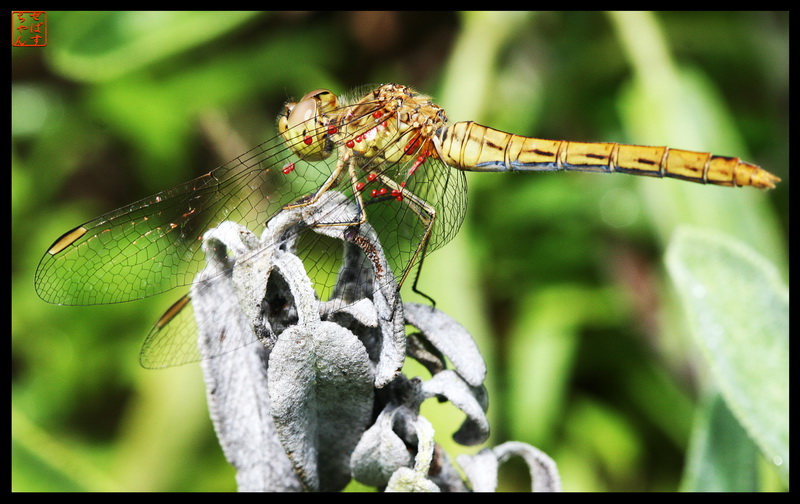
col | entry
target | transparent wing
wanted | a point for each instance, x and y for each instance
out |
(173, 339)
(153, 245)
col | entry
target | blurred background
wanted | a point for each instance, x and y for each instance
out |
(558, 276)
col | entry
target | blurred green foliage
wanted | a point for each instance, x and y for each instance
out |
(559, 276)
(739, 338)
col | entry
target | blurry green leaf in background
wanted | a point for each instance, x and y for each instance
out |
(738, 312)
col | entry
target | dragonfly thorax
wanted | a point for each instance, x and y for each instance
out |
(391, 124)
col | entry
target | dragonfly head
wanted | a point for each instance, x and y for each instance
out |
(304, 124)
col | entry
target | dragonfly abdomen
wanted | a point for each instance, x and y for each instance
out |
(473, 147)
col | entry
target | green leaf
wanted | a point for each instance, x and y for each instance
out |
(737, 308)
(108, 45)
(722, 456)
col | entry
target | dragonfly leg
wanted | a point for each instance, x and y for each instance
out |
(426, 214)
(331, 181)
(422, 250)
(351, 169)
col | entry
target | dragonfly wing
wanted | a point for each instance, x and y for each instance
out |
(154, 245)
(173, 339)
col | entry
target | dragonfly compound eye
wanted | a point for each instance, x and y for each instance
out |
(303, 125)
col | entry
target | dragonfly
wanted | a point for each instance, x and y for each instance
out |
(389, 149)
